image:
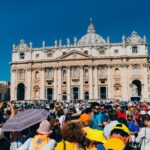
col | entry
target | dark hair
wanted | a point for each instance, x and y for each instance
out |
(146, 117)
(123, 121)
(112, 115)
(94, 104)
(87, 111)
(51, 105)
(119, 131)
(72, 109)
(60, 112)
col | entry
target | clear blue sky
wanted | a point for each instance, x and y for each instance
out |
(38, 20)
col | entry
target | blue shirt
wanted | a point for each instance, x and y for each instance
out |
(97, 119)
(132, 127)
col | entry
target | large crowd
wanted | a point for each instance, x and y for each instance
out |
(80, 125)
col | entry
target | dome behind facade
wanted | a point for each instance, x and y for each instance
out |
(91, 38)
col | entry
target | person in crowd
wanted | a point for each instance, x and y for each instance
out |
(56, 130)
(61, 117)
(41, 141)
(122, 113)
(5, 137)
(52, 110)
(118, 140)
(72, 136)
(112, 122)
(96, 117)
(85, 120)
(133, 126)
(144, 134)
(93, 138)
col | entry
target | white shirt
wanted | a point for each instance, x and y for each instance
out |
(108, 128)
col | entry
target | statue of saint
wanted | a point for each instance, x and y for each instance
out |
(135, 90)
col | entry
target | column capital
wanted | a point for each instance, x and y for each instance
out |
(29, 69)
(81, 67)
(68, 66)
(14, 70)
(145, 65)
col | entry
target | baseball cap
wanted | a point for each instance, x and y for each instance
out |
(122, 127)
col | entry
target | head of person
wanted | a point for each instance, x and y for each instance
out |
(147, 120)
(122, 132)
(93, 138)
(72, 132)
(87, 111)
(60, 112)
(72, 111)
(95, 107)
(129, 117)
(85, 119)
(44, 128)
(132, 109)
(112, 115)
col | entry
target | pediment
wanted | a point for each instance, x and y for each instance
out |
(74, 55)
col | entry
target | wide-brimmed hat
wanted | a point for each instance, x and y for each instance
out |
(95, 135)
(44, 128)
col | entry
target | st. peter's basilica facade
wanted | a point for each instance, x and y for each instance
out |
(90, 68)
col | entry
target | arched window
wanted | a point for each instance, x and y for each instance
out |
(49, 73)
(21, 75)
(117, 72)
(36, 75)
(75, 71)
(64, 73)
(135, 71)
(86, 72)
(102, 73)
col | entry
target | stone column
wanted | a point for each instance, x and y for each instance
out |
(109, 81)
(95, 83)
(55, 83)
(124, 82)
(29, 83)
(42, 90)
(145, 89)
(13, 84)
(68, 83)
(59, 96)
(90, 83)
(81, 83)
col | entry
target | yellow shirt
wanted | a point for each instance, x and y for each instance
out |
(69, 146)
(39, 141)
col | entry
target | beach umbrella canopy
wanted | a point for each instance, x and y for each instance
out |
(25, 119)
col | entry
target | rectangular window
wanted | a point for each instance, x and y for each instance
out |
(64, 83)
(64, 53)
(134, 50)
(37, 55)
(116, 51)
(102, 52)
(22, 55)
(49, 55)
(85, 52)
(86, 82)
